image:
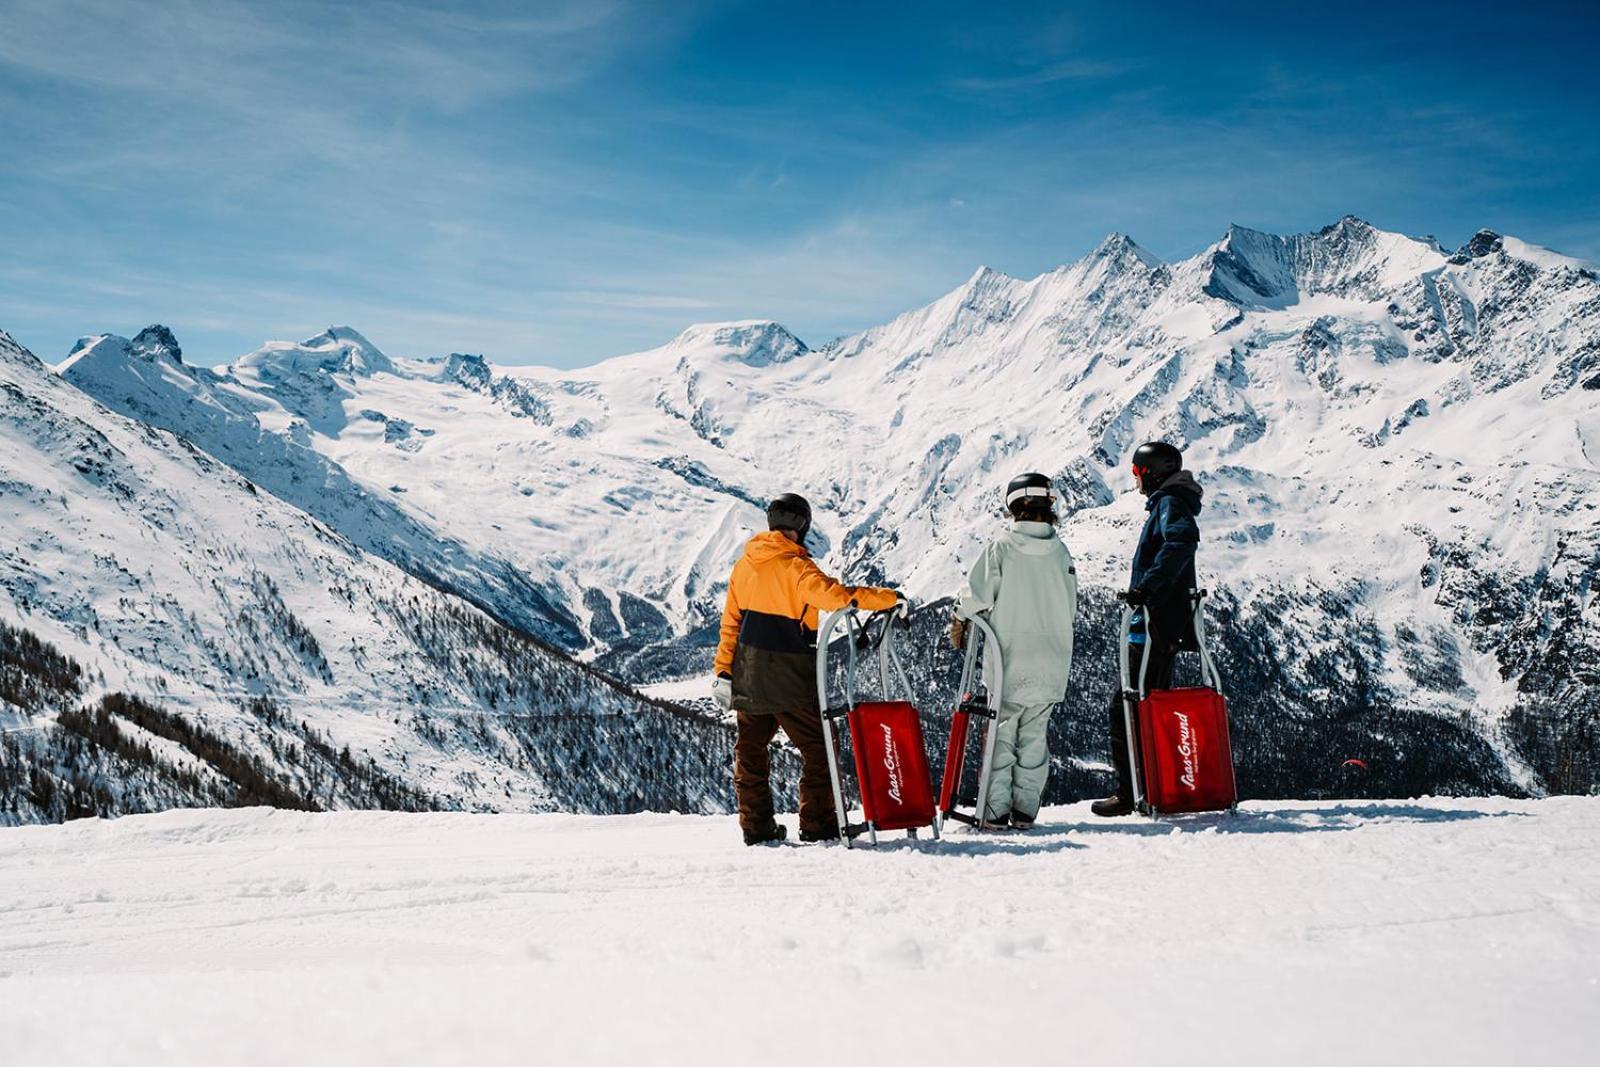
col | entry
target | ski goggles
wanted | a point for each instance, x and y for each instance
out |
(1029, 491)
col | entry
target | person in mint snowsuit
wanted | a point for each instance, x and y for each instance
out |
(1027, 588)
(1159, 588)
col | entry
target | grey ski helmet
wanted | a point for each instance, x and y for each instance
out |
(1031, 492)
(1154, 462)
(790, 511)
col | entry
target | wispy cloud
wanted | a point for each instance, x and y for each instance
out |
(633, 300)
(253, 56)
(266, 87)
(1068, 70)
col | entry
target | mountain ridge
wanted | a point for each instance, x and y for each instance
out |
(1339, 376)
(171, 635)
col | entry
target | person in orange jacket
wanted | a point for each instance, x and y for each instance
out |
(766, 668)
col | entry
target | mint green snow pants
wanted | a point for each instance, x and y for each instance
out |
(1021, 761)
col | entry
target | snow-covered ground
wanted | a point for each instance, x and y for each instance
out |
(1461, 931)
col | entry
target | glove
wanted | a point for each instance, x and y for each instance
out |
(902, 617)
(722, 692)
(1137, 597)
(958, 633)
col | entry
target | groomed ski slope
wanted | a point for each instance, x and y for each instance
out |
(1460, 932)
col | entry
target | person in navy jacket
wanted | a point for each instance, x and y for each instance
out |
(1159, 589)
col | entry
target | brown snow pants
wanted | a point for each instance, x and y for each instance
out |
(752, 766)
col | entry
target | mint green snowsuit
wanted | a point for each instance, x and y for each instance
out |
(1026, 584)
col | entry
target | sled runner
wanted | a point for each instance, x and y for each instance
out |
(1180, 757)
(891, 762)
(985, 709)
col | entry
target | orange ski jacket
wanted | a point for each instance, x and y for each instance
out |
(774, 596)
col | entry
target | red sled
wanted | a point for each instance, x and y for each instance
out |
(1183, 758)
(986, 708)
(891, 760)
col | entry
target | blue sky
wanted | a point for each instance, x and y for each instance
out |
(562, 182)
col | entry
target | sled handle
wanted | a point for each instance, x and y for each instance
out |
(1208, 668)
(858, 625)
(855, 631)
(1130, 699)
(888, 654)
(991, 645)
(823, 638)
(1125, 644)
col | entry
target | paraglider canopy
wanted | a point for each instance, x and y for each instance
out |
(1359, 764)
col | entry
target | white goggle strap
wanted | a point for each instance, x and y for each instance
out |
(1027, 491)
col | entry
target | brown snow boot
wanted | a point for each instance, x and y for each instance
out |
(775, 832)
(1111, 807)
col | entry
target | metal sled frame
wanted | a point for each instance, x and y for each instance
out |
(986, 708)
(858, 628)
(1132, 698)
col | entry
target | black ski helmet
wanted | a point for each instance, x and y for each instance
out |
(1154, 462)
(790, 512)
(1031, 492)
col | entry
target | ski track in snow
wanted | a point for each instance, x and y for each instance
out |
(1459, 931)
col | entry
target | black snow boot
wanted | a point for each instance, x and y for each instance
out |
(1111, 807)
(1019, 821)
(1002, 823)
(775, 832)
(812, 836)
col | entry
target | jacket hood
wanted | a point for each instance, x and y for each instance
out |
(770, 545)
(1039, 531)
(1034, 538)
(1180, 484)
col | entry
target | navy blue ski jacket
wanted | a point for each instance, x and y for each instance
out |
(1163, 564)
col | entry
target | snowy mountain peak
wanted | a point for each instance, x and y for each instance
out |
(108, 353)
(1350, 258)
(1119, 248)
(156, 342)
(753, 342)
(10, 349)
(1251, 268)
(1483, 243)
(469, 370)
(986, 280)
(1349, 226)
(153, 344)
(1486, 243)
(337, 350)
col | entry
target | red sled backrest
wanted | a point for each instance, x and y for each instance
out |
(955, 754)
(891, 765)
(1185, 752)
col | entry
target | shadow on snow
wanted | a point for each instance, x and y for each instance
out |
(1338, 818)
